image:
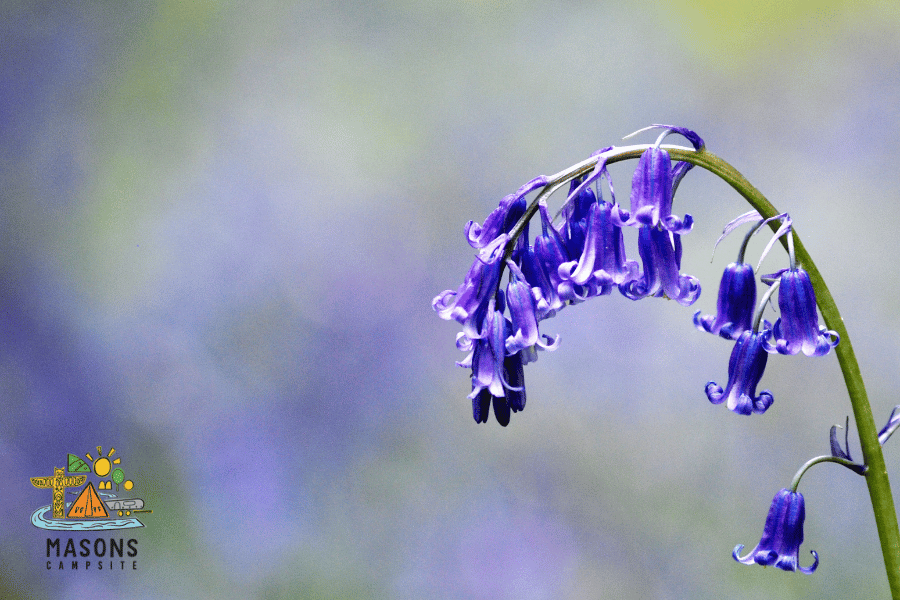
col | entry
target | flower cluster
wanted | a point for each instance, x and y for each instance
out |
(579, 257)
(796, 329)
(580, 253)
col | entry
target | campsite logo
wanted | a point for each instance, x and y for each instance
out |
(90, 508)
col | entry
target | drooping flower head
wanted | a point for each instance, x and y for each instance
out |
(745, 369)
(503, 218)
(547, 300)
(734, 308)
(654, 182)
(524, 315)
(513, 400)
(468, 305)
(575, 216)
(782, 536)
(798, 328)
(550, 251)
(737, 290)
(496, 377)
(603, 263)
(660, 252)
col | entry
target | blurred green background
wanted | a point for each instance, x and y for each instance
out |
(222, 225)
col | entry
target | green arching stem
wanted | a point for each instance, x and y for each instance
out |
(820, 459)
(876, 475)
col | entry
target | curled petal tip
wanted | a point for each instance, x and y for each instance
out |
(811, 569)
(763, 402)
(714, 392)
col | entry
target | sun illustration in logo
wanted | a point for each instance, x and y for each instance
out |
(103, 465)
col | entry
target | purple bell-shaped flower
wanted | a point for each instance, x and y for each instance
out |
(782, 536)
(660, 252)
(745, 369)
(737, 299)
(798, 328)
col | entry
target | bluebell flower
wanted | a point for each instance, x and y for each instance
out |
(575, 214)
(660, 252)
(468, 305)
(798, 328)
(737, 290)
(603, 263)
(653, 186)
(547, 301)
(503, 218)
(497, 378)
(745, 369)
(651, 193)
(513, 400)
(782, 536)
(737, 299)
(488, 353)
(524, 315)
(550, 250)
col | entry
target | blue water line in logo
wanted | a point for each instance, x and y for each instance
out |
(39, 519)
